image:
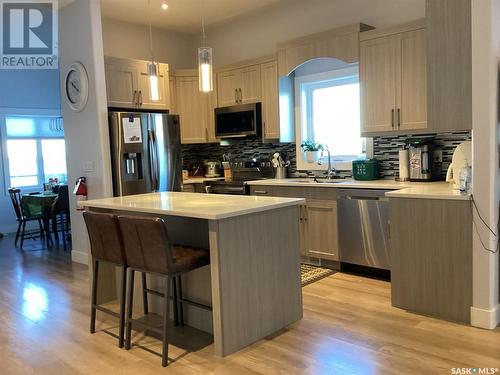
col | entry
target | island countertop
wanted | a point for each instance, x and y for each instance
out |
(193, 205)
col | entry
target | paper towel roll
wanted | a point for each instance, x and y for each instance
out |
(404, 165)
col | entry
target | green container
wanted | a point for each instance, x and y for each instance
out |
(365, 169)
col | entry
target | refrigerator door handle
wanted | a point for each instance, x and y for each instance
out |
(153, 160)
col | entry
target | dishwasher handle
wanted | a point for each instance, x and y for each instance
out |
(353, 197)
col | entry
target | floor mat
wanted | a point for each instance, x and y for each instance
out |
(309, 274)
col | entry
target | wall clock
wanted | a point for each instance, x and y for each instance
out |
(77, 87)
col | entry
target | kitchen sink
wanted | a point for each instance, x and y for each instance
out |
(318, 181)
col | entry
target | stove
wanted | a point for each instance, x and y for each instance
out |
(242, 172)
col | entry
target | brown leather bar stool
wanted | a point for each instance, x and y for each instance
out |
(106, 245)
(149, 250)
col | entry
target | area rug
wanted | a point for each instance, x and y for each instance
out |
(309, 274)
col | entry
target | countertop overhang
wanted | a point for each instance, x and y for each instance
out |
(407, 189)
(193, 205)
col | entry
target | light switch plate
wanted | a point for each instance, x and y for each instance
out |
(88, 166)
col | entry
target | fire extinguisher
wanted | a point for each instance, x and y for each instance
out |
(80, 191)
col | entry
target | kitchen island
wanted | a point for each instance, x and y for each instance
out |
(253, 280)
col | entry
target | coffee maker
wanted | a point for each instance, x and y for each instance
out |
(425, 163)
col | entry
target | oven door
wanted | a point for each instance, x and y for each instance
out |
(227, 189)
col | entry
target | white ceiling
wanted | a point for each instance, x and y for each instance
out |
(182, 15)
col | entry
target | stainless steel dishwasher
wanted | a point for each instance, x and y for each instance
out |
(363, 224)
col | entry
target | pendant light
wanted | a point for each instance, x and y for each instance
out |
(152, 66)
(204, 60)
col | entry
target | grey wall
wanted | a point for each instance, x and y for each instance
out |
(127, 40)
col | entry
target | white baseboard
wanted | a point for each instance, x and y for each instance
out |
(80, 257)
(483, 318)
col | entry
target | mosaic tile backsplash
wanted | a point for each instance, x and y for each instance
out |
(385, 149)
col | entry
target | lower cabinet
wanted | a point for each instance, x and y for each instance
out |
(318, 218)
(319, 229)
(431, 257)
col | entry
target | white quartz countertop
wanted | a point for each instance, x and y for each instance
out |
(194, 205)
(407, 189)
(200, 180)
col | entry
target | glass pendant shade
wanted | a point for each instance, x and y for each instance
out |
(205, 69)
(153, 81)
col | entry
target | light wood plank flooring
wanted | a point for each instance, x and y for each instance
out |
(349, 327)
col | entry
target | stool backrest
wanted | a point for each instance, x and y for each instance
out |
(146, 243)
(105, 237)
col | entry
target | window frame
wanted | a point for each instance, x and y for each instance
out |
(350, 73)
(4, 167)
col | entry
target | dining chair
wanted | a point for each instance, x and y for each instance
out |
(24, 216)
(60, 214)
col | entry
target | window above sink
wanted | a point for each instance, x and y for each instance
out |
(328, 112)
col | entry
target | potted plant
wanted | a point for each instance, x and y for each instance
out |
(311, 149)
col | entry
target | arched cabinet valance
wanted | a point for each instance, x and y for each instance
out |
(340, 43)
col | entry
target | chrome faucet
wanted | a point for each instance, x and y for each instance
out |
(330, 173)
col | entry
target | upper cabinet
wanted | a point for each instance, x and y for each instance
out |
(450, 65)
(393, 80)
(270, 100)
(128, 84)
(239, 86)
(195, 109)
(253, 82)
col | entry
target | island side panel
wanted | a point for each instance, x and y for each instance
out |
(255, 268)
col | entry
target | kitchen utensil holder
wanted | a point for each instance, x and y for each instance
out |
(281, 172)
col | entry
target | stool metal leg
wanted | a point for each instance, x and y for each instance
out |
(180, 304)
(166, 319)
(145, 293)
(93, 303)
(175, 301)
(123, 295)
(130, 303)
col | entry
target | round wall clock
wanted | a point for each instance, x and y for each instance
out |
(77, 86)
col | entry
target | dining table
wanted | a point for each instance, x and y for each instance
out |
(40, 204)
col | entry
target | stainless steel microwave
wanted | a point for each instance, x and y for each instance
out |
(243, 120)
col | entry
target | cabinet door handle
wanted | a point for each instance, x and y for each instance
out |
(134, 98)
(399, 118)
(140, 98)
(260, 191)
(206, 134)
(241, 96)
(392, 118)
(236, 95)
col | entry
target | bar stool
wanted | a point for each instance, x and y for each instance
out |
(106, 245)
(148, 250)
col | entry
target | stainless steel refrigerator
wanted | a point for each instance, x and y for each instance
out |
(145, 152)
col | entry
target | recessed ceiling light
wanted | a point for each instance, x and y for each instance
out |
(164, 6)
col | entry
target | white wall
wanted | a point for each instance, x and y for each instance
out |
(122, 39)
(485, 312)
(86, 132)
(257, 35)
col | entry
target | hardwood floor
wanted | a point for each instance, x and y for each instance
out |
(349, 327)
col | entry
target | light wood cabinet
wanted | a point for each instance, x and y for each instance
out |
(393, 81)
(320, 234)
(239, 86)
(449, 62)
(121, 83)
(377, 75)
(270, 100)
(128, 84)
(196, 111)
(318, 218)
(431, 257)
